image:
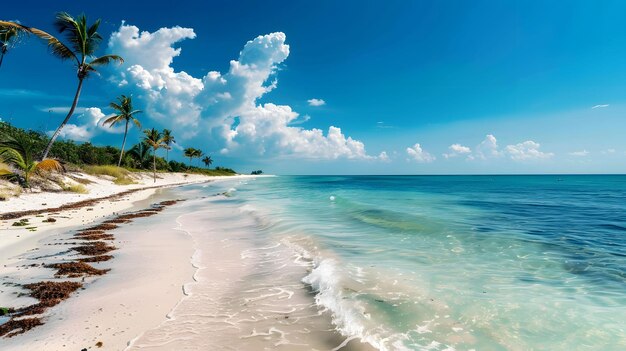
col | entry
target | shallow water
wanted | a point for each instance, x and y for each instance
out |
(407, 263)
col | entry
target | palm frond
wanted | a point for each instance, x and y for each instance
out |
(136, 122)
(57, 48)
(105, 60)
(49, 165)
(113, 120)
(71, 28)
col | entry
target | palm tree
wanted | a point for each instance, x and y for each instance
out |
(191, 153)
(18, 153)
(207, 161)
(153, 138)
(125, 113)
(168, 139)
(83, 41)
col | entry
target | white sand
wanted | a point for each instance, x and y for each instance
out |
(149, 269)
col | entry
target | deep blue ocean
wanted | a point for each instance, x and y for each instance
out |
(457, 262)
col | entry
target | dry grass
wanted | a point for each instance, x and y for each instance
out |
(76, 188)
(9, 190)
(121, 176)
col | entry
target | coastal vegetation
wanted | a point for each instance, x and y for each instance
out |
(25, 154)
(18, 163)
(126, 114)
(83, 41)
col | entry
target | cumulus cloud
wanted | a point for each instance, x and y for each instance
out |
(418, 154)
(581, 153)
(89, 123)
(527, 150)
(220, 109)
(168, 95)
(599, 106)
(456, 150)
(316, 102)
(487, 148)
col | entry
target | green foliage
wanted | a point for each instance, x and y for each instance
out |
(257, 172)
(139, 157)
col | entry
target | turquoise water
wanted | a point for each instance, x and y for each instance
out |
(457, 262)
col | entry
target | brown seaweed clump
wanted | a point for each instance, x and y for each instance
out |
(96, 237)
(95, 248)
(76, 269)
(103, 226)
(48, 290)
(100, 258)
(18, 326)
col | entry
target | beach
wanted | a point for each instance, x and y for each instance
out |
(338, 263)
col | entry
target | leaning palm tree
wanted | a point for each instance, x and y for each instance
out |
(153, 138)
(207, 161)
(168, 139)
(18, 153)
(83, 40)
(125, 113)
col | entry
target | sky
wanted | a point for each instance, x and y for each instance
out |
(350, 87)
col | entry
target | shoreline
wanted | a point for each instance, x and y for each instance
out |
(193, 260)
(17, 242)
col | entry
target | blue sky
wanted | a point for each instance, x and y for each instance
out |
(481, 86)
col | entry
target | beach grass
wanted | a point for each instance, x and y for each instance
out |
(121, 176)
(76, 188)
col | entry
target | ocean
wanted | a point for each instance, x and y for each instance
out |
(405, 263)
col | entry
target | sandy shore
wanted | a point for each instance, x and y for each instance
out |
(194, 277)
(108, 305)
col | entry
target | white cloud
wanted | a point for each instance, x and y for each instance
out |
(316, 102)
(220, 110)
(89, 123)
(418, 154)
(581, 153)
(527, 150)
(608, 151)
(487, 148)
(599, 106)
(168, 95)
(384, 157)
(456, 150)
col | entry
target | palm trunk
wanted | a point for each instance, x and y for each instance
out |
(123, 144)
(154, 164)
(67, 118)
(1, 58)
(167, 155)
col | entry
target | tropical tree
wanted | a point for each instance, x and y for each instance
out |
(207, 161)
(191, 153)
(141, 155)
(83, 40)
(125, 113)
(168, 140)
(153, 138)
(18, 153)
